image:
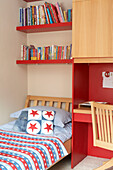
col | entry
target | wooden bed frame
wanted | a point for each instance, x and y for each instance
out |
(59, 102)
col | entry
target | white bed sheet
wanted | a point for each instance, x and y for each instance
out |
(62, 133)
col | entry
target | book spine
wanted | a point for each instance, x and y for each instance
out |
(53, 17)
(31, 15)
(43, 15)
(51, 22)
(46, 14)
(24, 16)
(35, 16)
(59, 14)
(37, 9)
(20, 16)
(55, 13)
(65, 16)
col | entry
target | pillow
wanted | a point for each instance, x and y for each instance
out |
(40, 122)
(21, 122)
(61, 117)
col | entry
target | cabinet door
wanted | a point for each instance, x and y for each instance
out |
(92, 28)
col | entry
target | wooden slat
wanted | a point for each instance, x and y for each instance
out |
(27, 102)
(98, 120)
(43, 103)
(35, 103)
(111, 125)
(102, 124)
(108, 125)
(105, 128)
(67, 106)
(50, 103)
(59, 105)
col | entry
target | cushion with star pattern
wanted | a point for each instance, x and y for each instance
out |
(40, 122)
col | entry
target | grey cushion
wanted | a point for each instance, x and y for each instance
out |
(21, 122)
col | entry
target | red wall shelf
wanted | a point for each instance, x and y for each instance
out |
(44, 61)
(45, 27)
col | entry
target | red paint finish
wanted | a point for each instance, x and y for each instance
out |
(45, 27)
(96, 91)
(80, 141)
(96, 151)
(79, 130)
(81, 83)
(62, 61)
(86, 118)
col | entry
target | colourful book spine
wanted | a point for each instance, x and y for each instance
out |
(70, 51)
(24, 15)
(52, 13)
(69, 15)
(31, 15)
(20, 16)
(33, 19)
(59, 14)
(35, 16)
(62, 52)
(37, 9)
(28, 16)
(50, 18)
(46, 14)
(55, 13)
(56, 52)
(65, 16)
(43, 15)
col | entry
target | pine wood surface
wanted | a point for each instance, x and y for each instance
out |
(92, 29)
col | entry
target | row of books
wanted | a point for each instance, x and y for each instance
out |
(46, 53)
(44, 14)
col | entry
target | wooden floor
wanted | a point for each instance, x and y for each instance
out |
(89, 163)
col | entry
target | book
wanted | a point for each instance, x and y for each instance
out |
(46, 14)
(55, 13)
(20, 16)
(60, 14)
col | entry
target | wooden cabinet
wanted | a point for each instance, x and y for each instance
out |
(93, 30)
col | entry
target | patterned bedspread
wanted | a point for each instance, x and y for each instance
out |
(20, 151)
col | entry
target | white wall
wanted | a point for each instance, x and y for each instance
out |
(13, 78)
(50, 79)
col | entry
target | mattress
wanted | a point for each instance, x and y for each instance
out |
(62, 133)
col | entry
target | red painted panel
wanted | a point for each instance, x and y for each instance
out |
(45, 27)
(96, 92)
(80, 140)
(81, 83)
(96, 151)
(44, 61)
(86, 118)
